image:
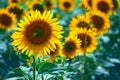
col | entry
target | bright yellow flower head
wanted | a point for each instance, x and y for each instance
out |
(71, 47)
(7, 20)
(37, 34)
(104, 6)
(80, 22)
(57, 51)
(35, 5)
(67, 5)
(100, 21)
(11, 2)
(15, 9)
(116, 5)
(50, 4)
(88, 40)
(86, 4)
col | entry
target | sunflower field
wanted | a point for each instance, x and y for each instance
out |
(59, 39)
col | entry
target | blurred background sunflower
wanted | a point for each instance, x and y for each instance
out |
(66, 5)
(116, 5)
(36, 5)
(11, 2)
(15, 9)
(88, 40)
(71, 47)
(104, 6)
(7, 20)
(100, 21)
(86, 4)
(80, 22)
(53, 54)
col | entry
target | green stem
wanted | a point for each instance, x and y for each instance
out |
(69, 61)
(84, 58)
(42, 76)
(84, 68)
(34, 68)
(2, 31)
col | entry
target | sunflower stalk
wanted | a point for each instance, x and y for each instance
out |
(34, 68)
(43, 76)
(84, 58)
(2, 31)
(69, 61)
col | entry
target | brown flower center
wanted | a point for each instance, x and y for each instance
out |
(69, 47)
(103, 6)
(90, 3)
(97, 21)
(66, 4)
(86, 40)
(14, 1)
(17, 11)
(5, 20)
(49, 4)
(83, 24)
(38, 32)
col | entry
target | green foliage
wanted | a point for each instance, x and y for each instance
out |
(46, 67)
(103, 64)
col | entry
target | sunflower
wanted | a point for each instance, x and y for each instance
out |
(86, 4)
(80, 22)
(66, 5)
(116, 5)
(11, 2)
(100, 21)
(88, 40)
(71, 47)
(57, 51)
(38, 34)
(7, 20)
(35, 5)
(50, 4)
(104, 6)
(15, 9)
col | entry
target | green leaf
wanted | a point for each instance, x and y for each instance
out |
(19, 71)
(15, 73)
(46, 66)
